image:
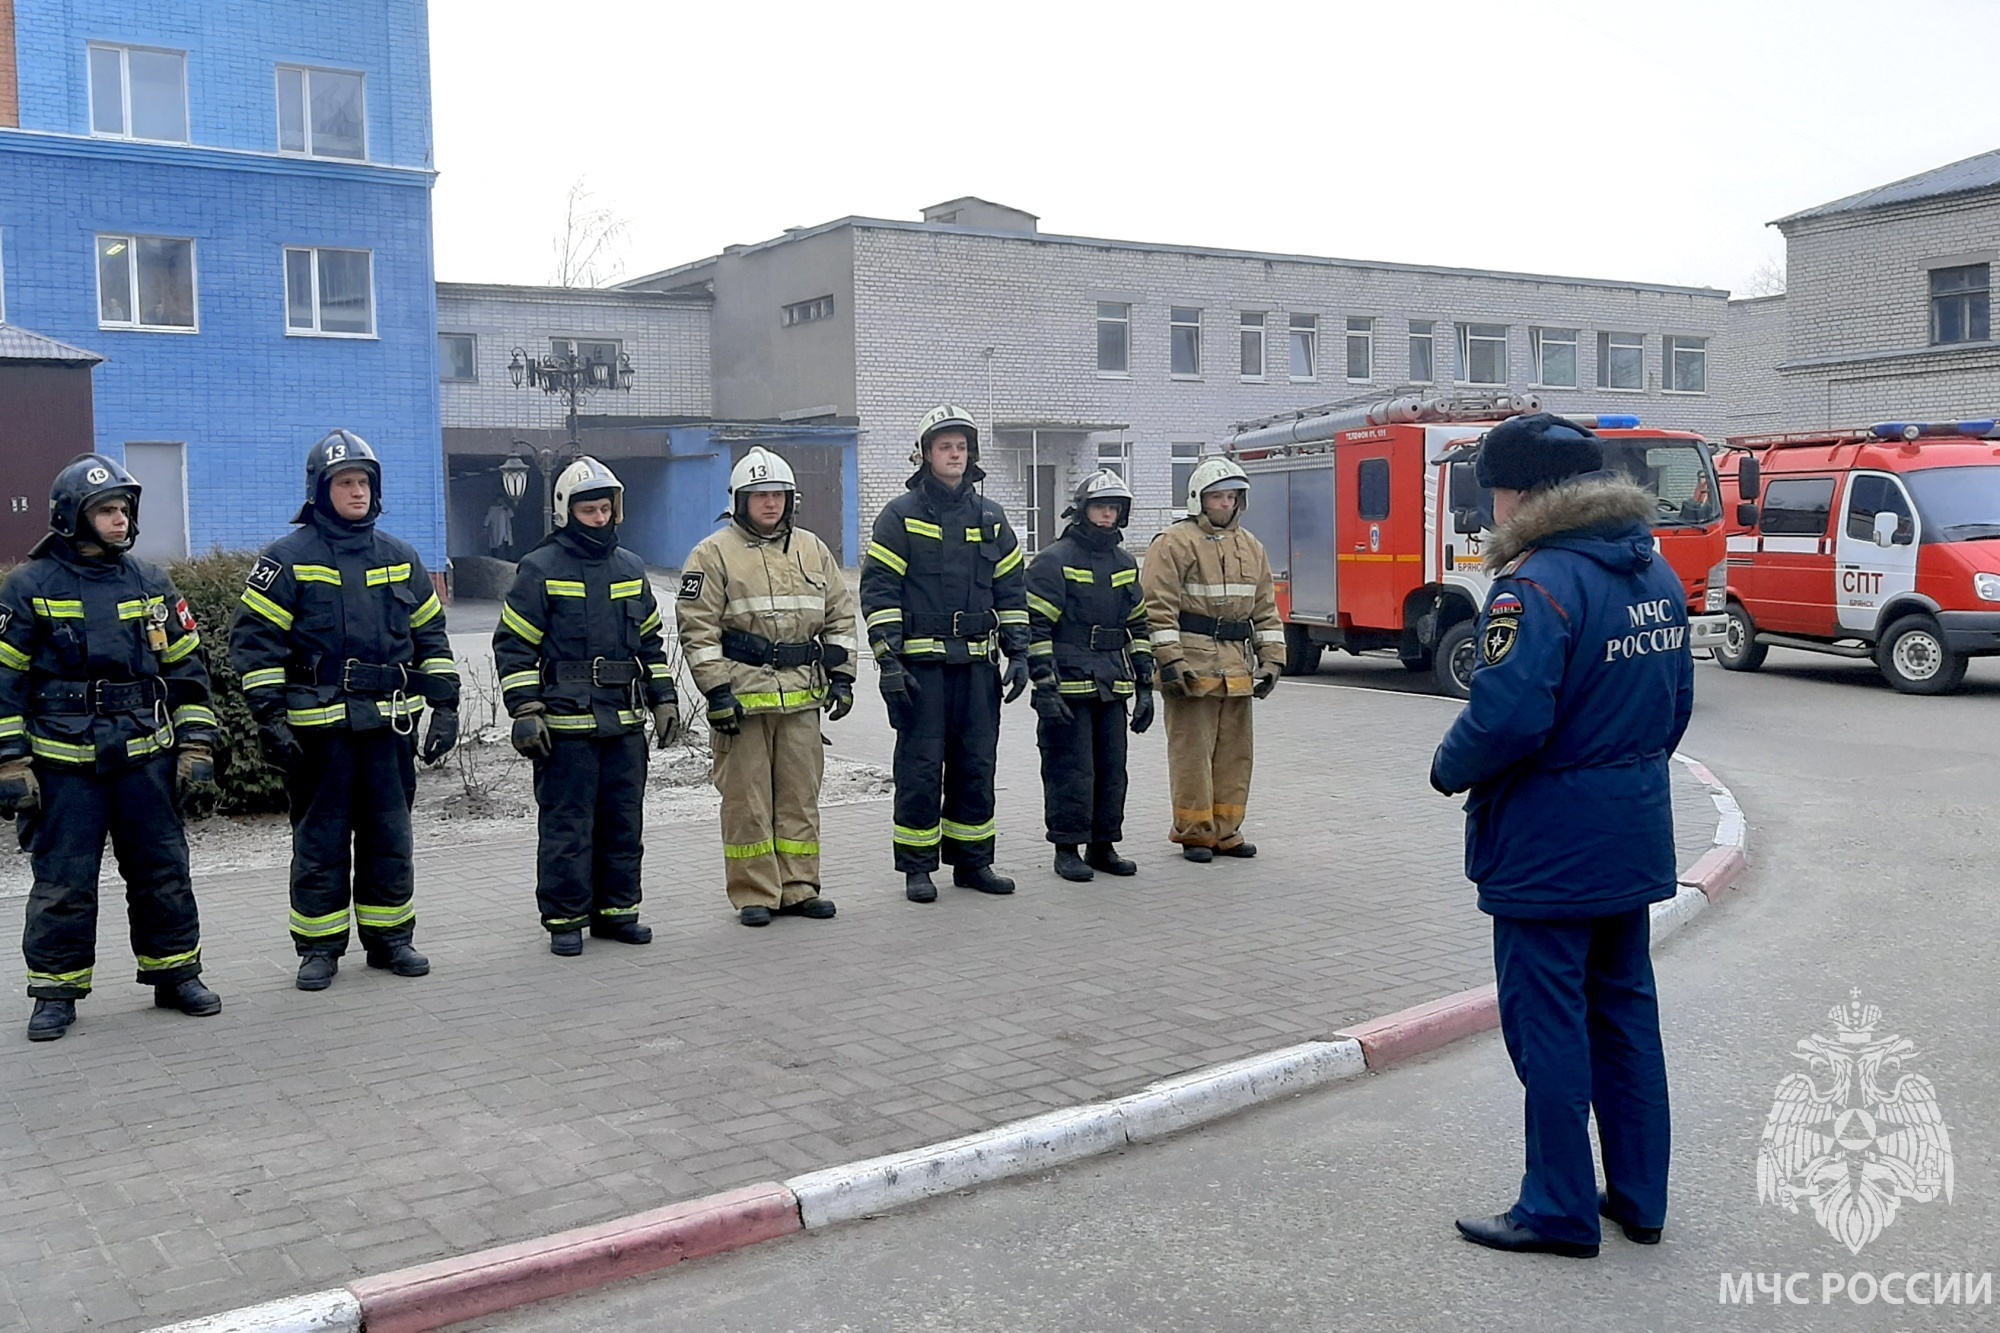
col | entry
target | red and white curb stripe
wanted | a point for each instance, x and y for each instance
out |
(436, 1295)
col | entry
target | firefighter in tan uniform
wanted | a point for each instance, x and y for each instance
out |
(767, 627)
(1218, 641)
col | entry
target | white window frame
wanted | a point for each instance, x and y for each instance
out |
(1606, 341)
(1673, 342)
(810, 311)
(1097, 332)
(1429, 338)
(137, 324)
(284, 283)
(125, 92)
(1178, 454)
(1117, 455)
(1174, 323)
(1311, 331)
(1537, 338)
(1466, 337)
(305, 110)
(1251, 322)
(472, 338)
(1364, 334)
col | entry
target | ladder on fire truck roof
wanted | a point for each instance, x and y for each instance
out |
(1907, 432)
(1409, 405)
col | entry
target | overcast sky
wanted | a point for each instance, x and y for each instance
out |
(1642, 141)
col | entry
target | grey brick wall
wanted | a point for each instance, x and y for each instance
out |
(1752, 395)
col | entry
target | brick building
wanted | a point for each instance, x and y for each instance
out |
(1080, 352)
(229, 200)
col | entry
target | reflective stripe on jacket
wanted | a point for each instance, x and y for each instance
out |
(1086, 616)
(1196, 568)
(786, 589)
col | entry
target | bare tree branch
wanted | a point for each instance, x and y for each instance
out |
(1767, 279)
(586, 245)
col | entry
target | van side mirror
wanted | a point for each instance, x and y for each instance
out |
(1747, 515)
(1885, 528)
(1466, 492)
(1749, 478)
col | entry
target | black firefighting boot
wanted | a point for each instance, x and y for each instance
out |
(982, 878)
(316, 970)
(815, 909)
(565, 943)
(918, 888)
(190, 997)
(399, 958)
(625, 931)
(1070, 866)
(1243, 850)
(1199, 855)
(51, 1019)
(755, 916)
(1104, 856)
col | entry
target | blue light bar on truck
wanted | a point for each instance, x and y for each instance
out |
(1606, 421)
(1917, 430)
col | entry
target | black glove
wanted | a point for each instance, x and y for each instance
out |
(899, 692)
(666, 723)
(194, 774)
(20, 792)
(281, 748)
(725, 713)
(839, 698)
(1049, 706)
(1016, 677)
(531, 735)
(1172, 681)
(1267, 680)
(441, 735)
(1142, 710)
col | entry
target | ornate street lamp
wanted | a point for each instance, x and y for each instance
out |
(570, 375)
(514, 478)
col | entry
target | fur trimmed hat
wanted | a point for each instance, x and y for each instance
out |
(1525, 452)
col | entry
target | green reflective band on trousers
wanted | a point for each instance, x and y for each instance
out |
(170, 961)
(617, 911)
(920, 837)
(564, 922)
(787, 847)
(369, 917)
(968, 832)
(320, 927)
(79, 978)
(756, 702)
(748, 850)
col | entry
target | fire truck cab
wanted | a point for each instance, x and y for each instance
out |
(1375, 522)
(1881, 543)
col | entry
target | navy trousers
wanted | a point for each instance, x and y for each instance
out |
(944, 767)
(1582, 1024)
(592, 793)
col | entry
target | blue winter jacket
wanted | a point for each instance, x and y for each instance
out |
(1582, 686)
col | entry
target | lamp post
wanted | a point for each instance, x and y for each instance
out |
(571, 375)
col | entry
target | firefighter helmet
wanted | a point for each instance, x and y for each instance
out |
(761, 470)
(1217, 474)
(1102, 487)
(84, 481)
(945, 417)
(338, 452)
(588, 479)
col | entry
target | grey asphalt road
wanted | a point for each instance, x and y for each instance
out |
(1873, 820)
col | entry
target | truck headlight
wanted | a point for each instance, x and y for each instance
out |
(1718, 588)
(1987, 586)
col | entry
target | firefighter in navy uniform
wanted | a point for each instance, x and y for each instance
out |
(1088, 653)
(581, 664)
(1581, 691)
(941, 589)
(340, 642)
(102, 683)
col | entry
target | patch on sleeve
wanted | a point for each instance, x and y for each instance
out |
(264, 573)
(6, 619)
(1504, 604)
(691, 585)
(1498, 639)
(185, 616)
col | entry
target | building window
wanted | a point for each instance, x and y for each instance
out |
(805, 312)
(1360, 349)
(1114, 338)
(1555, 357)
(1186, 457)
(1482, 353)
(1305, 346)
(1959, 312)
(457, 357)
(1423, 351)
(137, 93)
(145, 282)
(330, 293)
(1371, 488)
(1253, 346)
(1184, 341)
(1111, 457)
(322, 113)
(1686, 361)
(1621, 361)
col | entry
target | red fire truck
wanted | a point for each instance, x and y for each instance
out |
(1373, 519)
(1881, 543)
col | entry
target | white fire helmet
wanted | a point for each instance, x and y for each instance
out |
(1099, 487)
(1217, 474)
(946, 416)
(584, 479)
(761, 470)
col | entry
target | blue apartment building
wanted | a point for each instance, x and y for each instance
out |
(230, 202)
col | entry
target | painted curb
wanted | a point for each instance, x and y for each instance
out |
(435, 1295)
(322, 1312)
(1423, 1028)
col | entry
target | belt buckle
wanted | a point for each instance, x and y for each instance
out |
(97, 695)
(596, 665)
(347, 675)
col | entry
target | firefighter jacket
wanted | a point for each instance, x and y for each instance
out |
(1086, 616)
(1581, 689)
(942, 577)
(580, 635)
(770, 617)
(1212, 606)
(99, 662)
(340, 628)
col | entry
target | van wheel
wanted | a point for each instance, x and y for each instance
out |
(1302, 651)
(1739, 649)
(1452, 662)
(1913, 655)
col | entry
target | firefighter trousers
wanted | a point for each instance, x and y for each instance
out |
(769, 775)
(1083, 772)
(65, 838)
(1208, 768)
(592, 793)
(1582, 1024)
(351, 796)
(944, 767)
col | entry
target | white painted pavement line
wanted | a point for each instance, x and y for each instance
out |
(322, 1312)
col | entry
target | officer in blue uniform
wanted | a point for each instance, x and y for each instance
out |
(1582, 688)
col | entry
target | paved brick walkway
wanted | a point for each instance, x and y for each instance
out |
(154, 1167)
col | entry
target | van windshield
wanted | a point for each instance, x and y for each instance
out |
(1958, 504)
(1678, 472)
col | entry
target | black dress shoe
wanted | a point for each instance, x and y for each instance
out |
(190, 997)
(918, 888)
(625, 931)
(755, 916)
(51, 1019)
(983, 878)
(401, 959)
(1502, 1232)
(1104, 856)
(316, 971)
(1199, 855)
(565, 943)
(1638, 1235)
(1244, 850)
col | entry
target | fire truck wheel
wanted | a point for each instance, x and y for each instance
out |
(1913, 655)
(1739, 649)
(1302, 651)
(1452, 661)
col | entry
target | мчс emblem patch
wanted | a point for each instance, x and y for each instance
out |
(1498, 638)
(691, 583)
(264, 573)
